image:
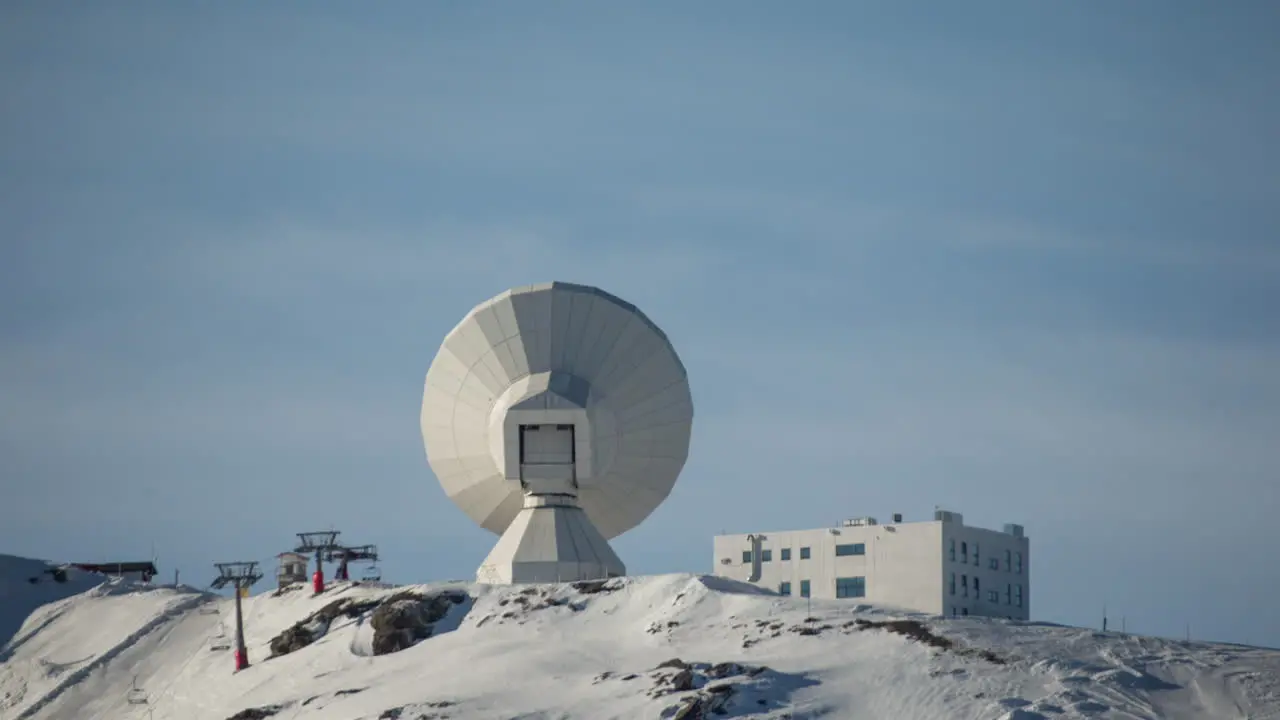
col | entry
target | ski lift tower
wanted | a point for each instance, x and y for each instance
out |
(322, 544)
(345, 555)
(241, 575)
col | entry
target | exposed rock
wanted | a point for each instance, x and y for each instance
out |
(657, 627)
(399, 621)
(314, 626)
(592, 587)
(725, 669)
(258, 713)
(399, 713)
(682, 681)
(405, 619)
(918, 631)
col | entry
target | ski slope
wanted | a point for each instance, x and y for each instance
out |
(562, 651)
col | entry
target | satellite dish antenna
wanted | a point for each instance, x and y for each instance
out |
(558, 417)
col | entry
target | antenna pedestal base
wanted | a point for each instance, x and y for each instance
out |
(551, 540)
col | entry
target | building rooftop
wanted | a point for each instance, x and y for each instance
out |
(939, 515)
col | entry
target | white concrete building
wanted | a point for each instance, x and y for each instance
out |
(940, 566)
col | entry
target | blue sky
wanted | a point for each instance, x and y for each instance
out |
(1014, 259)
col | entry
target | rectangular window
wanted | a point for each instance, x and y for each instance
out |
(964, 584)
(804, 553)
(851, 587)
(954, 612)
(953, 585)
(1018, 557)
(976, 559)
(964, 552)
(804, 588)
(786, 554)
(1008, 560)
(1017, 595)
(746, 556)
(993, 563)
(977, 588)
(852, 549)
(766, 556)
(953, 550)
(1008, 594)
(993, 596)
(964, 611)
(784, 588)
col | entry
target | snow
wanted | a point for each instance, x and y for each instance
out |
(560, 651)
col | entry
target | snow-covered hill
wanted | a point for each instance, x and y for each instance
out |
(647, 647)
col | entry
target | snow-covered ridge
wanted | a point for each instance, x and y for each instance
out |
(645, 647)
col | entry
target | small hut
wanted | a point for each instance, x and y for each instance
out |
(293, 568)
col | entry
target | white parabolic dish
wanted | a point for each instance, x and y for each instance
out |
(556, 396)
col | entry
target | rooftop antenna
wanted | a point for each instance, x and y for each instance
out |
(242, 576)
(320, 543)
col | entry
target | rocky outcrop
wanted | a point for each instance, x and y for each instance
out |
(315, 625)
(405, 619)
(258, 713)
(919, 632)
(422, 711)
(575, 597)
(704, 690)
(399, 621)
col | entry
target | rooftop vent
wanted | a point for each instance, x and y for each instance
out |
(1014, 530)
(948, 517)
(859, 522)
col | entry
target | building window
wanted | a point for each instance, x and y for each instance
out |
(766, 555)
(786, 554)
(804, 553)
(1008, 560)
(954, 612)
(977, 588)
(851, 587)
(1018, 557)
(784, 588)
(1008, 594)
(1017, 595)
(964, 611)
(976, 560)
(746, 556)
(804, 588)
(993, 596)
(964, 552)
(964, 584)
(953, 550)
(953, 585)
(993, 563)
(851, 549)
